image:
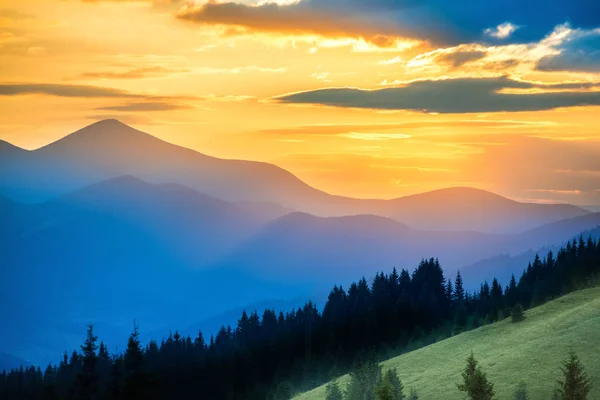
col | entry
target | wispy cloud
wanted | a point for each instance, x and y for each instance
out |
(135, 73)
(460, 58)
(145, 107)
(579, 51)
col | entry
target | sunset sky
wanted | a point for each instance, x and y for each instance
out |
(379, 98)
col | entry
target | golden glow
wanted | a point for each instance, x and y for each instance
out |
(212, 89)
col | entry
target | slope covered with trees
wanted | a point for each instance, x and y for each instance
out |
(274, 355)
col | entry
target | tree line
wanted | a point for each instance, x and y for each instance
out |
(274, 355)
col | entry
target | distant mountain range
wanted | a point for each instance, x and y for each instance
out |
(110, 149)
(110, 224)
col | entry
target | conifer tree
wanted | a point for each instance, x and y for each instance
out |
(333, 391)
(459, 291)
(363, 380)
(413, 394)
(88, 376)
(475, 382)
(576, 384)
(138, 384)
(390, 387)
(517, 314)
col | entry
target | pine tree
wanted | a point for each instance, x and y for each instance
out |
(384, 390)
(390, 387)
(114, 383)
(363, 381)
(413, 395)
(88, 376)
(459, 291)
(521, 392)
(576, 384)
(475, 382)
(138, 383)
(333, 391)
(517, 314)
(449, 290)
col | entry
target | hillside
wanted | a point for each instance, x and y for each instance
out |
(531, 350)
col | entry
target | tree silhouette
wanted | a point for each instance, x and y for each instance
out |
(88, 376)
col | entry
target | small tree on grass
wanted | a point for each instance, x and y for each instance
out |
(390, 387)
(517, 313)
(521, 392)
(333, 391)
(475, 382)
(576, 384)
(413, 395)
(363, 381)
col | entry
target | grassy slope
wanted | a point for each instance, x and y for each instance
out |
(531, 350)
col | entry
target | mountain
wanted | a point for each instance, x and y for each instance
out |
(303, 247)
(463, 208)
(8, 362)
(115, 251)
(502, 266)
(531, 350)
(109, 149)
(168, 255)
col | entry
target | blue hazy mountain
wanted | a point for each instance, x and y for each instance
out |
(167, 255)
(109, 149)
(8, 362)
(502, 266)
(115, 251)
(305, 246)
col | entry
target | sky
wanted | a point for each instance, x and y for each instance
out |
(370, 99)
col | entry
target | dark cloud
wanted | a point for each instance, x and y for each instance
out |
(501, 65)
(579, 54)
(136, 73)
(439, 21)
(62, 90)
(459, 58)
(291, 19)
(84, 91)
(145, 106)
(465, 95)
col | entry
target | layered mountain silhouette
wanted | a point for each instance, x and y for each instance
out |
(125, 248)
(109, 149)
(110, 224)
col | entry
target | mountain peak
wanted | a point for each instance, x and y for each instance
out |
(107, 134)
(109, 123)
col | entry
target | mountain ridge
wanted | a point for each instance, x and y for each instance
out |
(109, 148)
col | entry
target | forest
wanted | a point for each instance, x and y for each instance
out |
(275, 355)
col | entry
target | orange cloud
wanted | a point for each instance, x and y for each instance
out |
(291, 19)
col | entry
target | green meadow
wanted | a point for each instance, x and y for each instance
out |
(531, 350)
